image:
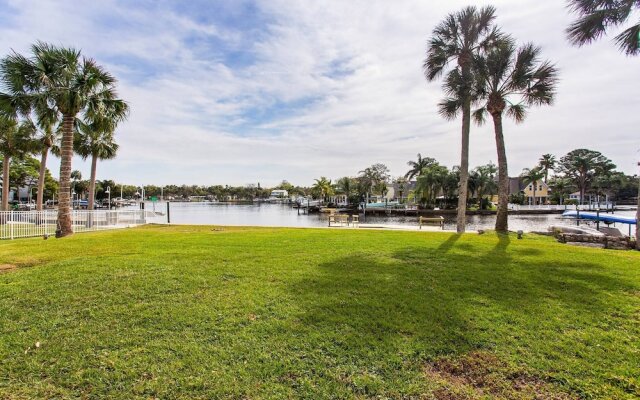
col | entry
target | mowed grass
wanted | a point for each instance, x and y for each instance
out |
(209, 312)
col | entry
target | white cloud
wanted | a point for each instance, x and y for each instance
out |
(358, 64)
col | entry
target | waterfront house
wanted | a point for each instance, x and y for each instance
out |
(542, 193)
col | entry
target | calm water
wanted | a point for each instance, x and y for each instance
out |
(284, 215)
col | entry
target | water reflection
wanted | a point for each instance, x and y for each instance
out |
(284, 215)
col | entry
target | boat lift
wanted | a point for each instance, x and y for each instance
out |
(597, 217)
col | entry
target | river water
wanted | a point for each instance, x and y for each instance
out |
(286, 216)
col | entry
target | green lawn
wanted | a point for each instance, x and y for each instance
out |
(203, 312)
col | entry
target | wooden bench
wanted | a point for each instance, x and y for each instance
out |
(338, 219)
(431, 221)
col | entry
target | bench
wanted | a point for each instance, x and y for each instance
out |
(431, 221)
(338, 219)
(343, 220)
(355, 220)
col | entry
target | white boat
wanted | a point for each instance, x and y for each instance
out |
(304, 202)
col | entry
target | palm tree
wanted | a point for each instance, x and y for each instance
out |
(532, 176)
(401, 184)
(547, 162)
(481, 181)
(430, 182)
(450, 185)
(560, 187)
(16, 140)
(418, 166)
(345, 185)
(459, 39)
(60, 79)
(510, 80)
(47, 141)
(597, 16)
(93, 141)
(324, 187)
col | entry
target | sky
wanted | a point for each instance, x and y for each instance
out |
(243, 92)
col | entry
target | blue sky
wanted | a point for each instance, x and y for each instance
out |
(237, 92)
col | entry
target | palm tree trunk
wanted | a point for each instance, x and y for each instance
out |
(6, 162)
(43, 171)
(534, 193)
(638, 220)
(65, 227)
(464, 167)
(92, 183)
(502, 214)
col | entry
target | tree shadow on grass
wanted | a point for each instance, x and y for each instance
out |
(424, 302)
(449, 243)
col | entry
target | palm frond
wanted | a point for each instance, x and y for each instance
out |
(517, 111)
(479, 116)
(596, 16)
(629, 40)
(449, 108)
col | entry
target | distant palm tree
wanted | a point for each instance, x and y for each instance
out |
(597, 16)
(344, 185)
(401, 184)
(418, 166)
(324, 187)
(92, 140)
(560, 187)
(459, 39)
(16, 140)
(532, 177)
(481, 181)
(76, 175)
(60, 79)
(547, 162)
(430, 182)
(510, 80)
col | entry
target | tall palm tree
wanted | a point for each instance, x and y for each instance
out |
(92, 140)
(597, 16)
(532, 176)
(60, 79)
(416, 167)
(459, 39)
(510, 80)
(345, 185)
(47, 140)
(547, 162)
(16, 140)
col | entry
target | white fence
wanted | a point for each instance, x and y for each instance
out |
(20, 224)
